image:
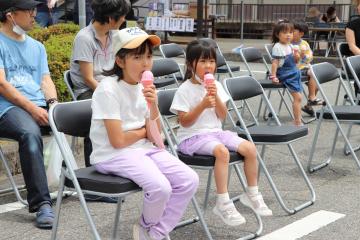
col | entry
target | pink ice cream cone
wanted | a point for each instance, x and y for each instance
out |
(208, 79)
(147, 79)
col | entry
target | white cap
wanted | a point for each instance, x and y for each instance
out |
(131, 38)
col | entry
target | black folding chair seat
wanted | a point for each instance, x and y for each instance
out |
(204, 160)
(266, 83)
(163, 82)
(224, 69)
(91, 180)
(275, 134)
(342, 112)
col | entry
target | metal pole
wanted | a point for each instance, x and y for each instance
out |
(200, 15)
(242, 21)
(82, 13)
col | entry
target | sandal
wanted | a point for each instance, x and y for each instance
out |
(315, 102)
(45, 217)
(309, 110)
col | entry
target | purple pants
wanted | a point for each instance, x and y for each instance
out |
(168, 186)
(205, 143)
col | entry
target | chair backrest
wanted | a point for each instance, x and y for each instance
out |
(69, 84)
(268, 49)
(354, 66)
(165, 98)
(344, 50)
(251, 54)
(164, 66)
(171, 50)
(72, 118)
(324, 72)
(241, 88)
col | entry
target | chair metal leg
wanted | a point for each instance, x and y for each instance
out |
(276, 192)
(346, 149)
(201, 218)
(117, 219)
(12, 182)
(207, 192)
(312, 168)
(86, 210)
(58, 205)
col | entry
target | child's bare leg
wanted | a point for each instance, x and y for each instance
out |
(221, 168)
(248, 150)
(312, 87)
(224, 208)
(296, 107)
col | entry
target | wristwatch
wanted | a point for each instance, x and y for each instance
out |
(51, 101)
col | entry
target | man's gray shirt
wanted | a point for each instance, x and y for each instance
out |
(87, 48)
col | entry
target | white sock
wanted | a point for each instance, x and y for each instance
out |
(252, 190)
(222, 198)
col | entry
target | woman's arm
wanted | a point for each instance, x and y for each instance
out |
(120, 139)
(350, 39)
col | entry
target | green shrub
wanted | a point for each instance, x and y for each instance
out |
(58, 40)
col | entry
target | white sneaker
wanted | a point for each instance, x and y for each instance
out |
(257, 203)
(139, 233)
(229, 215)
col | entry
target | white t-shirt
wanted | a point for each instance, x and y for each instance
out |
(186, 98)
(280, 51)
(118, 100)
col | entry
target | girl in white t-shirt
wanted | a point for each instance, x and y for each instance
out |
(200, 111)
(120, 122)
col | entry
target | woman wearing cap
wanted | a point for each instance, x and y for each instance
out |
(123, 111)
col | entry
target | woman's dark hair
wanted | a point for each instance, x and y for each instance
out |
(122, 53)
(195, 50)
(330, 11)
(105, 9)
(301, 26)
(281, 26)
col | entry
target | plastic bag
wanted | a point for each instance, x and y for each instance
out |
(53, 162)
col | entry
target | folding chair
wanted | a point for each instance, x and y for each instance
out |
(246, 87)
(250, 55)
(165, 70)
(173, 50)
(74, 119)
(69, 84)
(324, 73)
(201, 162)
(343, 52)
(70, 88)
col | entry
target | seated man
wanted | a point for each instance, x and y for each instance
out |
(26, 90)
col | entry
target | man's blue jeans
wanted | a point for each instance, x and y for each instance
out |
(45, 19)
(17, 124)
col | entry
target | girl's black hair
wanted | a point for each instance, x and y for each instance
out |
(195, 50)
(105, 9)
(301, 26)
(281, 26)
(122, 53)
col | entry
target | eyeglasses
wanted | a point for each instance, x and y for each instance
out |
(32, 11)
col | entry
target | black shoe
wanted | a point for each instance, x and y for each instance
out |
(95, 198)
(309, 110)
